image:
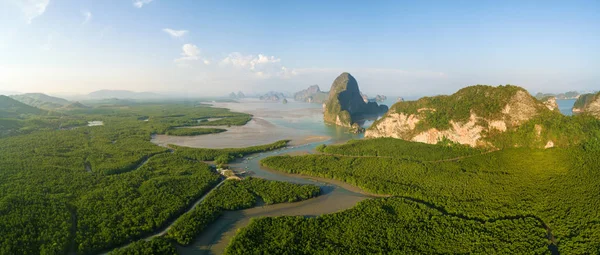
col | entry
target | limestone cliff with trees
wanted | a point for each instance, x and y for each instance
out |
(345, 104)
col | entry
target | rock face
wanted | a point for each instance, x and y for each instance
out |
(345, 102)
(312, 94)
(380, 98)
(550, 103)
(588, 103)
(466, 117)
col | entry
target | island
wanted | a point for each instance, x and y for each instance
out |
(312, 94)
(588, 103)
(345, 103)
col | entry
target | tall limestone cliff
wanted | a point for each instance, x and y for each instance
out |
(588, 103)
(345, 104)
(471, 116)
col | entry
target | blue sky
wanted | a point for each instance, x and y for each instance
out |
(213, 47)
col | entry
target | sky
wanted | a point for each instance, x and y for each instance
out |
(210, 48)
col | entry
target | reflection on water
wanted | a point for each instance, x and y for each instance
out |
(271, 122)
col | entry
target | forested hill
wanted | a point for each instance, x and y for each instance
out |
(40, 100)
(479, 116)
(588, 103)
(11, 108)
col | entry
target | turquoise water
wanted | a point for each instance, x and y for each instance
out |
(566, 106)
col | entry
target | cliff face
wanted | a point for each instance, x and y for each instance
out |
(588, 103)
(466, 117)
(345, 102)
(312, 94)
(550, 103)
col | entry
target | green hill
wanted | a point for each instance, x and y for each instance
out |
(482, 116)
(42, 101)
(11, 108)
(588, 104)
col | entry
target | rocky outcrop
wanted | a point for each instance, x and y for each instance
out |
(466, 117)
(312, 94)
(380, 98)
(550, 103)
(272, 96)
(345, 103)
(589, 104)
(238, 95)
(364, 97)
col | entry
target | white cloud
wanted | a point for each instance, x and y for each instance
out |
(87, 16)
(140, 3)
(262, 66)
(175, 33)
(190, 53)
(31, 9)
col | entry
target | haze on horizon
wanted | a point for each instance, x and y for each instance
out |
(210, 48)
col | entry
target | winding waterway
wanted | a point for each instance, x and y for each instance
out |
(300, 122)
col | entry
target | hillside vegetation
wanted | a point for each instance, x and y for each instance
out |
(588, 104)
(66, 187)
(483, 116)
(525, 192)
(236, 195)
(10, 108)
(42, 101)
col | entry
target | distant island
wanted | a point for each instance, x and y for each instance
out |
(312, 94)
(562, 96)
(345, 103)
(238, 95)
(272, 96)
